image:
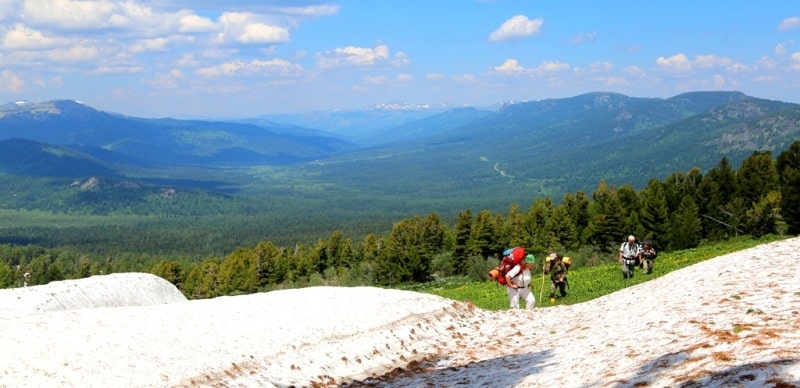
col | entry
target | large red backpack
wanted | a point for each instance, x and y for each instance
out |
(511, 257)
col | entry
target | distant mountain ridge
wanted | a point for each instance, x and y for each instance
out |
(549, 147)
(471, 155)
(359, 124)
(159, 142)
(28, 157)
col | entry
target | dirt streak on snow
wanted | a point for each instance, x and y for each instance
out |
(730, 321)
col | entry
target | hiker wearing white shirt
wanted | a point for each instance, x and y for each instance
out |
(629, 256)
(518, 284)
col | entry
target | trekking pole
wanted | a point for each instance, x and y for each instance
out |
(541, 289)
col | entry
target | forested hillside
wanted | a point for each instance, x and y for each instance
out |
(681, 211)
(135, 192)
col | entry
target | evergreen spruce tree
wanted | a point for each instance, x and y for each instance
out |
(653, 213)
(483, 235)
(202, 281)
(238, 273)
(765, 216)
(272, 265)
(535, 223)
(561, 227)
(514, 228)
(725, 178)
(673, 190)
(629, 200)
(757, 177)
(400, 260)
(338, 250)
(460, 247)
(788, 165)
(685, 225)
(170, 271)
(578, 208)
(708, 205)
(605, 220)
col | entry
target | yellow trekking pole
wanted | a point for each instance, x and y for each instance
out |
(541, 289)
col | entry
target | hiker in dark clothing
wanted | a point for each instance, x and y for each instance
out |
(558, 275)
(648, 257)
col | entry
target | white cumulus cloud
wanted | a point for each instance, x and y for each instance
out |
(791, 23)
(510, 66)
(194, 23)
(263, 33)
(766, 63)
(69, 14)
(780, 49)
(155, 44)
(709, 61)
(795, 61)
(517, 27)
(23, 38)
(74, 54)
(10, 82)
(552, 67)
(584, 38)
(250, 28)
(352, 56)
(241, 68)
(435, 77)
(718, 80)
(677, 63)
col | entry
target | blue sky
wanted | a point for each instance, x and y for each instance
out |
(241, 58)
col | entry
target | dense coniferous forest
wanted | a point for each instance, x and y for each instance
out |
(682, 210)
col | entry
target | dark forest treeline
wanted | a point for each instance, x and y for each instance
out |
(761, 197)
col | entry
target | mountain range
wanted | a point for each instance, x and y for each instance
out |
(132, 141)
(467, 157)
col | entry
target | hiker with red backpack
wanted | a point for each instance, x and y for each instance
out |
(514, 272)
(518, 284)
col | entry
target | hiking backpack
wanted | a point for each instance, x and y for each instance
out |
(511, 257)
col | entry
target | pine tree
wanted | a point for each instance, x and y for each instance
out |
(561, 227)
(238, 273)
(788, 165)
(338, 250)
(202, 281)
(578, 208)
(170, 271)
(483, 236)
(654, 214)
(757, 177)
(765, 217)
(605, 220)
(535, 225)
(725, 177)
(460, 248)
(271, 264)
(514, 227)
(410, 248)
(685, 225)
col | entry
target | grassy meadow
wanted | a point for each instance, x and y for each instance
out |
(585, 283)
